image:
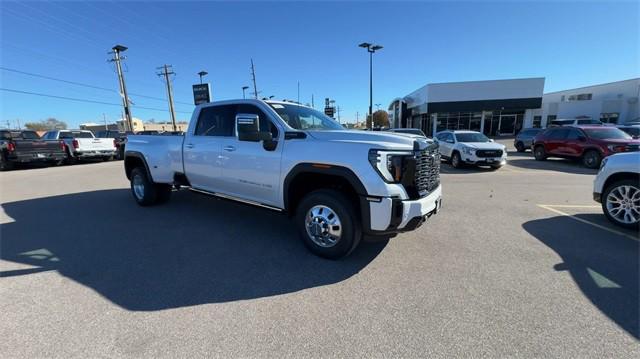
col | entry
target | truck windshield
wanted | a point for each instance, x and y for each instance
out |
(305, 118)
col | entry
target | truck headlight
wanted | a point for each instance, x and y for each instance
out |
(469, 150)
(389, 164)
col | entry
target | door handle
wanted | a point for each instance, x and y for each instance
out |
(229, 148)
(189, 145)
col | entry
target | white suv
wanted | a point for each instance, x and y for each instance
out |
(471, 147)
(617, 187)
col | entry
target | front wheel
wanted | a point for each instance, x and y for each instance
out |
(456, 161)
(621, 203)
(328, 224)
(592, 159)
(145, 192)
(539, 153)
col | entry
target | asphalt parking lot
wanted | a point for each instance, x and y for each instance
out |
(519, 263)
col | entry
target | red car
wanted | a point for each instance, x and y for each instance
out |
(589, 143)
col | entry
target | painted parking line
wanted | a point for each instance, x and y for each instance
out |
(610, 230)
(570, 205)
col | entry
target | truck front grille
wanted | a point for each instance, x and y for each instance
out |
(489, 153)
(427, 174)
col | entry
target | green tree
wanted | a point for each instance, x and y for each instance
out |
(380, 119)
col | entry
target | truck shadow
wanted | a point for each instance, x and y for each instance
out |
(603, 265)
(193, 250)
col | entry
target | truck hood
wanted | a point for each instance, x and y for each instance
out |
(385, 140)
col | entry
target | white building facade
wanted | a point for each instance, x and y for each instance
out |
(504, 107)
(613, 102)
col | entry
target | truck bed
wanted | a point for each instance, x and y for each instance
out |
(162, 153)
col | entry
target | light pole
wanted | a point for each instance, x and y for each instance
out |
(244, 88)
(370, 49)
(202, 74)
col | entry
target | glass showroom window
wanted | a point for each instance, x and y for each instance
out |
(537, 121)
(611, 117)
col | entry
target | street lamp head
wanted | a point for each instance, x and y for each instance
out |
(203, 73)
(245, 87)
(366, 45)
(376, 47)
(119, 48)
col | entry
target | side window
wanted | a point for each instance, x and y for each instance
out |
(559, 134)
(265, 122)
(216, 121)
(440, 136)
(573, 134)
(449, 138)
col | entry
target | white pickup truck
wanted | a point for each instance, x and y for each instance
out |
(337, 184)
(81, 144)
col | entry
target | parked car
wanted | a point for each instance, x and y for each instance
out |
(524, 139)
(338, 184)
(410, 131)
(632, 130)
(81, 144)
(148, 132)
(575, 122)
(25, 146)
(589, 143)
(120, 139)
(470, 147)
(617, 187)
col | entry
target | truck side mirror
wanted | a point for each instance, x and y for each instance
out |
(248, 128)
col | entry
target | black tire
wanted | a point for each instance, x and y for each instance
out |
(539, 153)
(145, 192)
(592, 159)
(606, 201)
(456, 160)
(4, 164)
(70, 160)
(350, 228)
(520, 147)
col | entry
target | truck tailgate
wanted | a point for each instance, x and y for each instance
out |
(95, 144)
(38, 148)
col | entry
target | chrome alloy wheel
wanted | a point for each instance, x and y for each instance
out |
(138, 187)
(323, 226)
(623, 204)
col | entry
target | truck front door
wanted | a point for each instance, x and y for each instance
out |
(251, 170)
(202, 146)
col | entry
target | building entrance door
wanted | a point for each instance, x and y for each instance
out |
(507, 124)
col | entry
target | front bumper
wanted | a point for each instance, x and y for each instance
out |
(483, 161)
(393, 215)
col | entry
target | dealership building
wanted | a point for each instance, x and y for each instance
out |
(504, 107)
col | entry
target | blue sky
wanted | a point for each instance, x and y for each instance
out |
(572, 44)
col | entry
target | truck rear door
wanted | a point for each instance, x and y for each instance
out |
(202, 146)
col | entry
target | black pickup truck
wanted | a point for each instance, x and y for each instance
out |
(25, 146)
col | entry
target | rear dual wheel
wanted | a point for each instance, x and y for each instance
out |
(145, 192)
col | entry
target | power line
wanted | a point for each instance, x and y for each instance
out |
(81, 99)
(84, 85)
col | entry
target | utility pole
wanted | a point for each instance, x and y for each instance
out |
(357, 120)
(253, 77)
(166, 71)
(104, 117)
(298, 92)
(313, 105)
(18, 121)
(123, 89)
(338, 111)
